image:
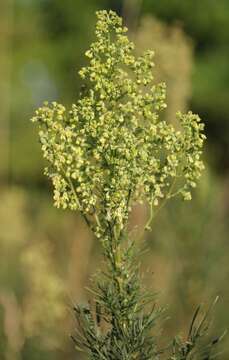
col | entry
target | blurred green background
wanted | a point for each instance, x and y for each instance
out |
(47, 256)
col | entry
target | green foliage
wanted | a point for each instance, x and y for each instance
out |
(118, 328)
(109, 151)
(194, 347)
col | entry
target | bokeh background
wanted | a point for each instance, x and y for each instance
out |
(47, 256)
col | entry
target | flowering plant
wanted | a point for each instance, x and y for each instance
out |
(109, 151)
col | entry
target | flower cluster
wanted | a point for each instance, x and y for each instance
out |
(111, 149)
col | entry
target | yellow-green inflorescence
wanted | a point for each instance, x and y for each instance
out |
(111, 149)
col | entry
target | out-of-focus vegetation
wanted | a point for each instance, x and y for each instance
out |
(47, 256)
(173, 53)
(32, 290)
(206, 22)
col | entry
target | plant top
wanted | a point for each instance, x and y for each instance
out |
(111, 148)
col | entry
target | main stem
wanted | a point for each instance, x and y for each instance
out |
(123, 299)
(119, 325)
